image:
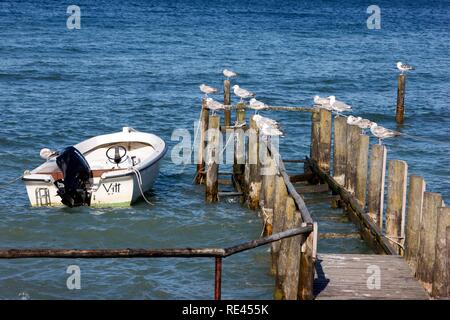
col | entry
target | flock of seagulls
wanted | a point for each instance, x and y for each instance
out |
(269, 127)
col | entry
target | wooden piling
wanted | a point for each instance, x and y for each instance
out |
(315, 133)
(212, 170)
(227, 101)
(377, 175)
(324, 140)
(396, 204)
(293, 251)
(203, 127)
(400, 111)
(427, 239)
(268, 190)
(340, 149)
(239, 147)
(414, 215)
(353, 133)
(307, 263)
(254, 184)
(441, 264)
(279, 209)
(362, 159)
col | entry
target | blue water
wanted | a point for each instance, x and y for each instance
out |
(139, 63)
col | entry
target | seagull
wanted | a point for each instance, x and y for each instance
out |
(257, 105)
(323, 103)
(360, 122)
(261, 121)
(338, 106)
(214, 105)
(207, 89)
(269, 131)
(353, 120)
(382, 133)
(229, 74)
(46, 153)
(242, 93)
(404, 67)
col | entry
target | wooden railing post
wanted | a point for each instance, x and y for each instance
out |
(415, 202)
(203, 127)
(268, 177)
(212, 170)
(340, 149)
(254, 184)
(239, 147)
(307, 264)
(396, 206)
(278, 217)
(362, 158)
(227, 101)
(324, 140)
(218, 279)
(353, 133)
(427, 239)
(376, 183)
(441, 273)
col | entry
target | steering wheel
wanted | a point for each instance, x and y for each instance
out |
(118, 156)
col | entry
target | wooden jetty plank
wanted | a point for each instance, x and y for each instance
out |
(300, 177)
(353, 133)
(203, 127)
(212, 161)
(414, 216)
(441, 264)
(360, 276)
(362, 158)
(369, 230)
(321, 199)
(340, 149)
(324, 139)
(427, 239)
(375, 194)
(317, 188)
(396, 204)
(279, 209)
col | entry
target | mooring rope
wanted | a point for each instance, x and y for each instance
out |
(10, 182)
(139, 178)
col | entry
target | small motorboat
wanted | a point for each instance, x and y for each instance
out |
(104, 171)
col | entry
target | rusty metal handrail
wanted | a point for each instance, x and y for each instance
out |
(217, 253)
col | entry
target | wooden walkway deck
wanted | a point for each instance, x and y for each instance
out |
(354, 276)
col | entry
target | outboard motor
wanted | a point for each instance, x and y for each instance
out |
(76, 171)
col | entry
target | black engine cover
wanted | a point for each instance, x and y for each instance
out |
(76, 171)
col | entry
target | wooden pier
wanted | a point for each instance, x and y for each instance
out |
(408, 231)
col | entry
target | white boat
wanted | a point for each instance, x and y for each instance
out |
(104, 171)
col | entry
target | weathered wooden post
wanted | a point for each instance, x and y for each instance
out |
(362, 158)
(396, 204)
(203, 127)
(239, 147)
(340, 149)
(441, 263)
(268, 176)
(227, 101)
(279, 208)
(353, 133)
(212, 170)
(415, 202)
(324, 140)
(254, 187)
(376, 183)
(427, 239)
(400, 111)
(307, 262)
(315, 133)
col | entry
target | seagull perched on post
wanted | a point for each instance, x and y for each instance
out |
(404, 67)
(382, 133)
(229, 74)
(267, 127)
(338, 106)
(242, 93)
(323, 103)
(214, 105)
(257, 105)
(360, 122)
(207, 89)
